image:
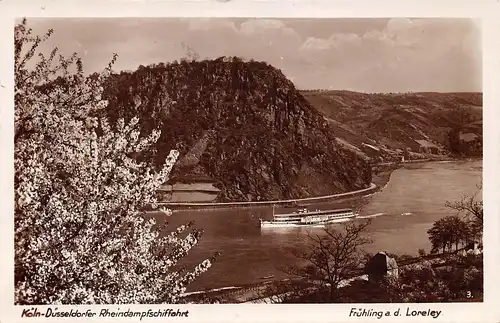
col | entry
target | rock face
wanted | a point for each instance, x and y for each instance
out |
(241, 124)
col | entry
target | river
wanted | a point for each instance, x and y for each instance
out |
(401, 214)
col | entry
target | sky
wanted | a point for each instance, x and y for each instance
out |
(362, 54)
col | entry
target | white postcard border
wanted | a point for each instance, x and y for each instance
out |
(487, 11)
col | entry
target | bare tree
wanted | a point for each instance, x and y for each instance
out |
(472, 209)
(332, 257)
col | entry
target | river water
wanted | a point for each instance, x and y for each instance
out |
(401, 214)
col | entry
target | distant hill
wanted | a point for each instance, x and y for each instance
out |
(241, 124)
(383, 126)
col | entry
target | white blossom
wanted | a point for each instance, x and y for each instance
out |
(80, 237)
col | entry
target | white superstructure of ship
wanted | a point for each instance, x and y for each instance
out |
(305, 217)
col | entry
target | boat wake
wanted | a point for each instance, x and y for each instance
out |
(370, 216)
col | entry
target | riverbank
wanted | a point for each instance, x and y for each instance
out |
(291, 202)
(381, 176)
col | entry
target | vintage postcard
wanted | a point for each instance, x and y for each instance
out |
(165, 159)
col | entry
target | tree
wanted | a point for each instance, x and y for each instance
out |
(332, 257)
(471, 207)
(80, 237)
(448, 231)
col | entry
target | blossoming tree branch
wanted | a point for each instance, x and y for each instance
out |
(80, 237)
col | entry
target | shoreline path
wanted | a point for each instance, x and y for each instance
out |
(370, 189)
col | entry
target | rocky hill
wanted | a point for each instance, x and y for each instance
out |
(240, 124)
(387, 126)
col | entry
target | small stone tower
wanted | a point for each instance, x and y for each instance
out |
(380, 266)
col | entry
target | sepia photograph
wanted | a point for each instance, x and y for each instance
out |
(162, 167)
(247, 160)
